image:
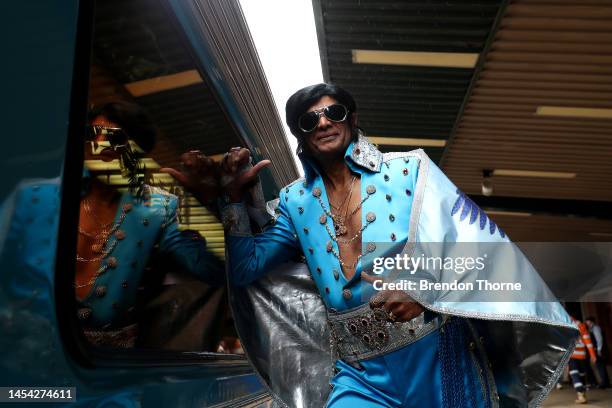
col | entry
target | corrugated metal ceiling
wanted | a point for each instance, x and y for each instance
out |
(403, 101)
(136, 40)
(499, 126)
(140, 53)
(545, 54)
(538, 53)
(143, 53)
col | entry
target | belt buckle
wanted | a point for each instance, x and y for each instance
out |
(371, 329)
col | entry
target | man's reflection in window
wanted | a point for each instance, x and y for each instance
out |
(120, 231)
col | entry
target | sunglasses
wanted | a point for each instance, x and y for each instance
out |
(114, 138)
(309, 121)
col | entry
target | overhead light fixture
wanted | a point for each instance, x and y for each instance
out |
(205, 232)
(509, 213)
(531, 173)
(189, 211)
(119, 180)
(162, 178)
(164, 83)
(213, 234)
(423, 59)
(406, 141)
(210, 227)
(113, 179)
(199, 219)
(571, 112)
(198, 226)
(101, 165)
(190, 201)
(214, 239)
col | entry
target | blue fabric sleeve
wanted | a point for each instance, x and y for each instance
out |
(189, 250)
(252, 256)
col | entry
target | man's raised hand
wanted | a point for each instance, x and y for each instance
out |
(399, 306)
(199, 175)
(236, 176)
(206, 179)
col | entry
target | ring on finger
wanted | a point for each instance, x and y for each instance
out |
(377, 301)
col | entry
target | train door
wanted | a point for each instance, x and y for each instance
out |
(112, 274)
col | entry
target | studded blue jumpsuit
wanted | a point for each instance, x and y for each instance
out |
(147, 225)
(408, 377)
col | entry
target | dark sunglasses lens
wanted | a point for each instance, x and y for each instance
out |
(117, 137)
(91, 133)
(308, 121)
(337, 112)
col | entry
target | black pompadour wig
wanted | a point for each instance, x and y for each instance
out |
(134, 120)
(303, 99)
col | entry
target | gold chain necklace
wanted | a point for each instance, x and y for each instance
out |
(340, 226)
(339, 220)
(91, 213)
(102, 240)
(103, 267)
(340, 241)
(98, 236)
(345, 196)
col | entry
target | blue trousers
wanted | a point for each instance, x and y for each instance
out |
(577, 372)
(408, 377)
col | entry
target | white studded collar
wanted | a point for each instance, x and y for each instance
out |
(360, 152)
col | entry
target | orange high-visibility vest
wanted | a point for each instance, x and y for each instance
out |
(583, 343)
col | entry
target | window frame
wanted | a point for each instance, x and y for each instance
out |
(76, 346)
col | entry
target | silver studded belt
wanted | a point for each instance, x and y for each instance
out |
(363, 333)
(120, 338)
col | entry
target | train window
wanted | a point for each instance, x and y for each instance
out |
(150, 257)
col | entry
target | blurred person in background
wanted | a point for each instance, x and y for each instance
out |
(601, 349)
(580, 359)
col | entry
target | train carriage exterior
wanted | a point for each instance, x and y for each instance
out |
(54, 51)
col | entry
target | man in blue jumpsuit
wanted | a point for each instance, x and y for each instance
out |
(109, 270)
(391, 351)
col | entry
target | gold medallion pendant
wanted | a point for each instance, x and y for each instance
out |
(339, 226)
